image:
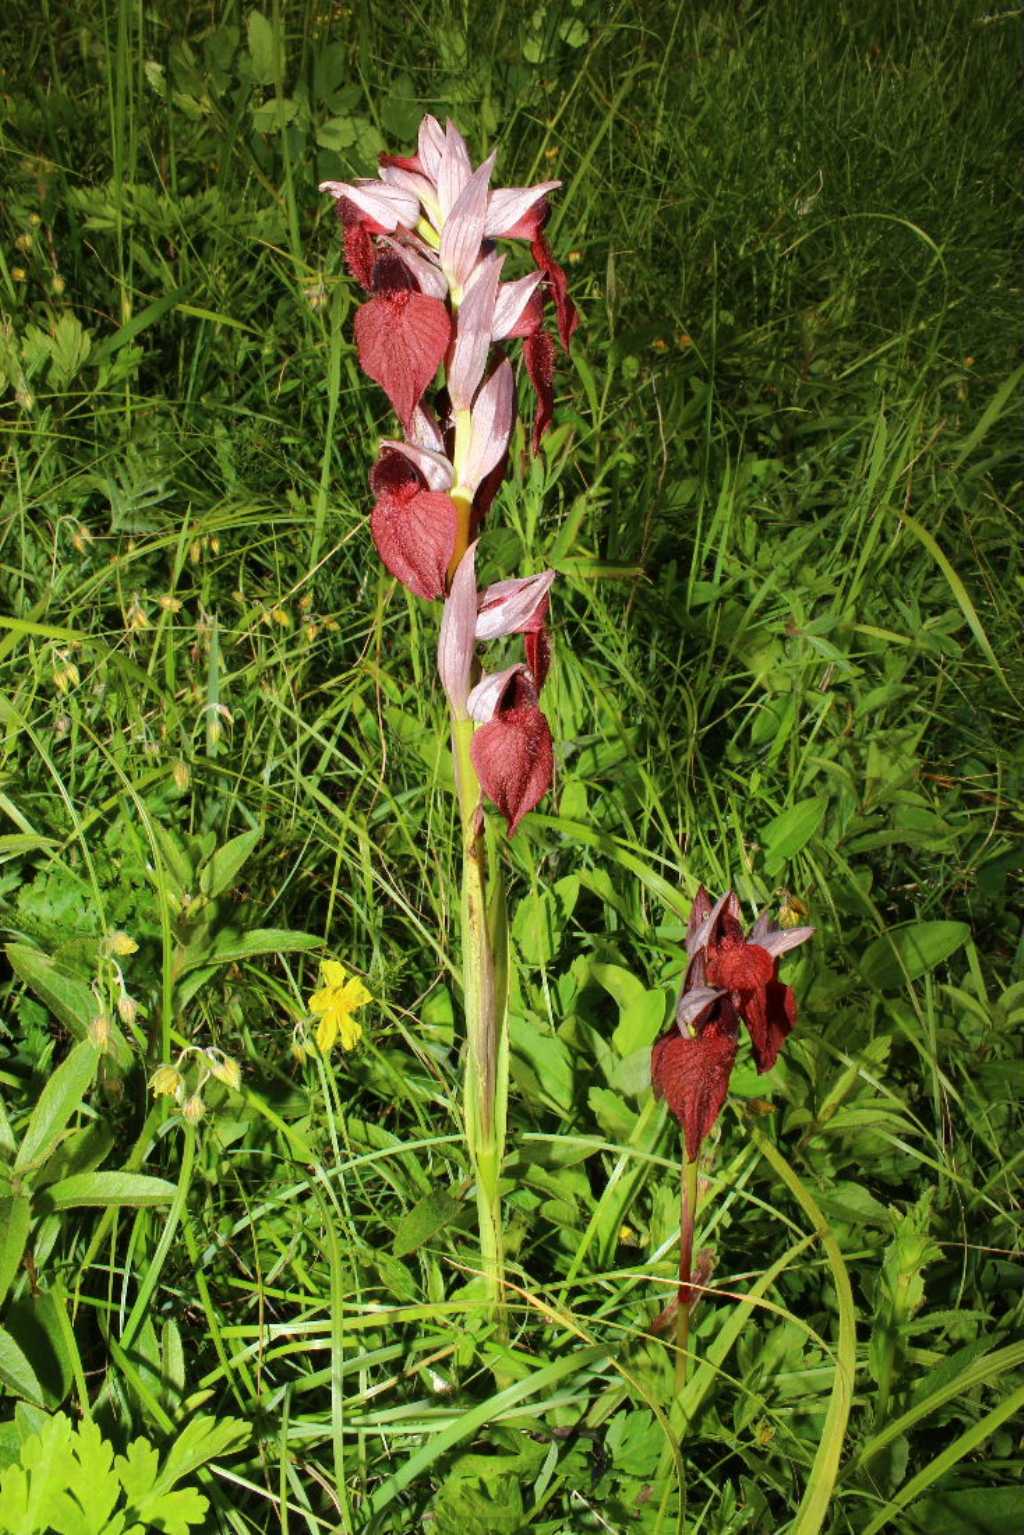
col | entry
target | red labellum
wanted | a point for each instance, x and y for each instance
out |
(402, 337)
(514, 759)
(692, 1075)
(414, 528)
(770, 1014)
(738, 965)
(539, 355)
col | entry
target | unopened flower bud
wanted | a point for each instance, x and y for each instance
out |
(99, 1032)
(225, 1068)
(169, 603)
(193, 1109)
(127, 1009)
(181, 775)
(119, 944)
(57, 285)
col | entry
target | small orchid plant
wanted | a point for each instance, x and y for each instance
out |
(730, 977)
(421, 240)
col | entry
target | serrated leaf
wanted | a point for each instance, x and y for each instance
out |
(105, 1190)
(426, 1218)
(338, 133)
(202, 1439)
(69, 350)
(58, 1100)
(909, 952)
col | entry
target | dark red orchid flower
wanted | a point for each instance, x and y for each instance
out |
(402, 334)
(414, 521)
(512, 751)
(729, 978)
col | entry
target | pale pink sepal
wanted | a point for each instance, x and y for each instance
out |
(431, 146)
(463, 230)
(424, 430)
(694, 1002)
(456, 644)
(512, 300)
(473, 332)
(778, 941)
(507, 205)
(435, 468)
(513, 607)
(388, 206)
(454, 168)
(491, 425)
(430, 279)
(698, 940)
(413, 182)
(489, 691)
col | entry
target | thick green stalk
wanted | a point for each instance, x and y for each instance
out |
(483, 993)
(687, 1212)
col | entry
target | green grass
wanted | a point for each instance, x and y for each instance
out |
(783, 497)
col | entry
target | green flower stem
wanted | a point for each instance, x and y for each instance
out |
(483, 994)
(687, 1212)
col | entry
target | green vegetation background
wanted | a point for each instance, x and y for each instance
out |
(783, 500)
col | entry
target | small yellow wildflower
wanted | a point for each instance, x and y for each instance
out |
(334, 1004)
(193, 1109)
(120, 944)
(225, 1068)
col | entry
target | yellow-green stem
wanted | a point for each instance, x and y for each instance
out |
(484, 1134)
(687, 1212)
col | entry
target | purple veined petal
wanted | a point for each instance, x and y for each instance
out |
(434, 467)
(513, 607)
(513, 298)
(463, 230)
(507, 205)
(782, 939)
(694, 1002)
(456, 644)
(489, 691)
(698, 940)
(473, 332)
(431, 146)
(417, 186)
(453, 170)
(760, 930)
(430, 278)
(424, 430)
(386, 205)
(491, 426)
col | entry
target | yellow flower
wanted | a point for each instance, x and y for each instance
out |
(334, 1004)
(166, 1081)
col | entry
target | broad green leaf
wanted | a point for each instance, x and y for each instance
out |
(38, 1323)
(102, 1190)
(789, 832)
(262, 48)
(909, 952)
(68, 997)
(58, 1100)
(15, 1219)
(619, 983)
(640, 1022)
(540, 918)
(423, 1221)
(16, 1373)
(970, 1511)
(227, 863)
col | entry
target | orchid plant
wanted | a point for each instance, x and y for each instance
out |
(730, 977)
(421, 240)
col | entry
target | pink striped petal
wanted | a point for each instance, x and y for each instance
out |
(431, 146)
(429, 277)
(514, 607)
(463, 230)
(434, 467)
(455, 645)
(485, 698)
(492, 425)
(388, 206)
(507, 205)
(473, 332)
(454, 168)
(513, 297)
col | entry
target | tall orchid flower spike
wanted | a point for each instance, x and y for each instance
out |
(436, 333)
